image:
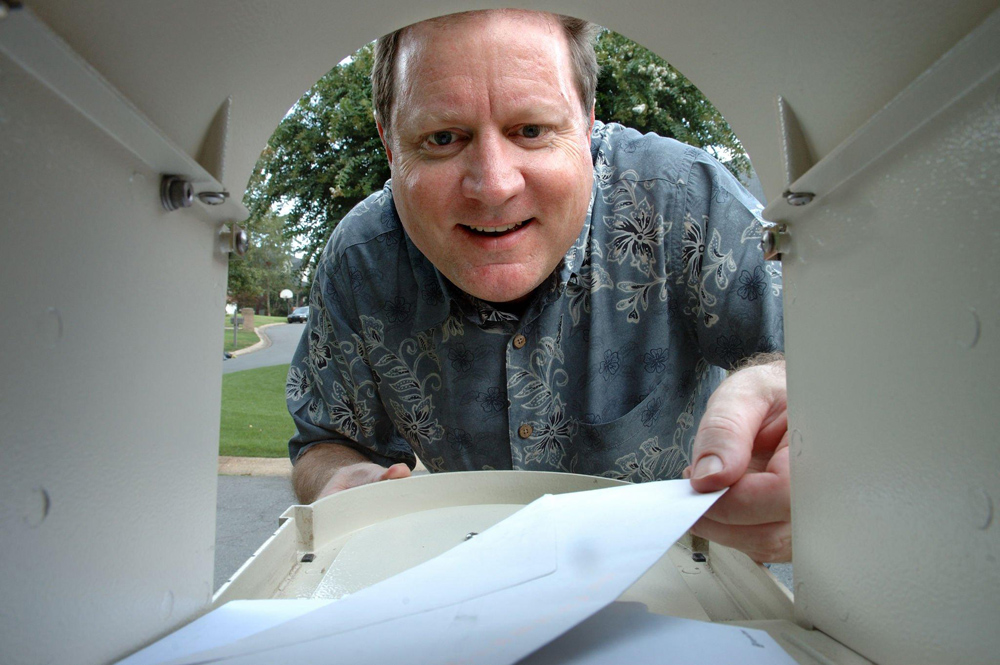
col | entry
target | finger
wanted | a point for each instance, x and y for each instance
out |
(743, 411)
(396, 471)
(764, 543)
(756, 498)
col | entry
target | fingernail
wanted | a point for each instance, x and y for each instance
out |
(707, 466)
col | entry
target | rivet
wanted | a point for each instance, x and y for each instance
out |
(971, 333)
(167, 605)
(982, 507)
(699, 557)
(795, 442)
(37, 508)
(50, 325)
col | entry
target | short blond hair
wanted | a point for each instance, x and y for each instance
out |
(580, 35)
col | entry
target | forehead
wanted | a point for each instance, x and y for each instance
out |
(449, 55)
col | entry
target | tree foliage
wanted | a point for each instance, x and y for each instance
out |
(326, 155)
(324, 158)
(639, 89)
(257, 279)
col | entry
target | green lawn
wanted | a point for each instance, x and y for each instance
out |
(244, 338)
(255, 422)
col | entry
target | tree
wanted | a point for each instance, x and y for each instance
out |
(639, 89)
(256, 279)
(326, 156)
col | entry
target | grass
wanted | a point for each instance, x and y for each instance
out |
(244, 338)
(255, 422)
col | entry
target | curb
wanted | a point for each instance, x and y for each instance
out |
(264, 342)
(270, 466)
(255, 466)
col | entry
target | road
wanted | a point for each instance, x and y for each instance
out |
(248, 507)
(284, 338)
(246, 514)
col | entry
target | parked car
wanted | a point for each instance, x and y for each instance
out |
(299, 315)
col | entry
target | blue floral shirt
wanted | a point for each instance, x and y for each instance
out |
(606, 372)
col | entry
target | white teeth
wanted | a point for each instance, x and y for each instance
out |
(496, 229)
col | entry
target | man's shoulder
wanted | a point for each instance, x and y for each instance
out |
(649, 155)
(371, 225)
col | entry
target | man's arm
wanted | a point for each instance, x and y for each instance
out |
(327, 468)
(742, 443)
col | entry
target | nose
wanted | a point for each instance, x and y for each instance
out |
(493, 173)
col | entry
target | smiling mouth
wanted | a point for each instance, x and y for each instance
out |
(496, 231)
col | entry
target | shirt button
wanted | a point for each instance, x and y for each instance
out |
(519, 341)
(525, 430)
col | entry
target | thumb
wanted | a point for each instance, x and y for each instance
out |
(744, 410)
(396, 471)
(720, 455)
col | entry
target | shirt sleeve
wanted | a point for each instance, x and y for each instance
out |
(331, 392)
(732, 294)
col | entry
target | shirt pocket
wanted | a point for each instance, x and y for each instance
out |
(602, 447)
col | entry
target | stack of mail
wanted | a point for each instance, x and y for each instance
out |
(552, 569)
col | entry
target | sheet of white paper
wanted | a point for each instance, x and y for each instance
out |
(627, 633)
(233, 621)
(498, 597)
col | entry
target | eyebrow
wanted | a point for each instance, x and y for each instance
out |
(420, 121)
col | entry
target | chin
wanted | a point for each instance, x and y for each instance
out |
(500, 290)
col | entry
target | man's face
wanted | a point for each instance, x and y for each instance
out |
(490, 150)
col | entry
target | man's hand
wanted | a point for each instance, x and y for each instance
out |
(328, 468)
(362, 473)
(742, 443)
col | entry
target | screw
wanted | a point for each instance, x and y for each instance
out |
(213, 198)
(241, 241)
(770, 242)
(798, 198)
(308, 558)
(175, 193)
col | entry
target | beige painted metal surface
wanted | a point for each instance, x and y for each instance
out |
(107, 475)
(354, 539)
(892, 317)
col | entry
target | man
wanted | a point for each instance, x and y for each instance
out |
(536, 290)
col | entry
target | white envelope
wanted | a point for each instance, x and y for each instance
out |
(497, 597)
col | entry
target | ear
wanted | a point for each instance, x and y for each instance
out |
(385, 142)
(590, 127)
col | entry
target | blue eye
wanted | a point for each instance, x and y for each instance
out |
(442, 138)
(531, 131)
